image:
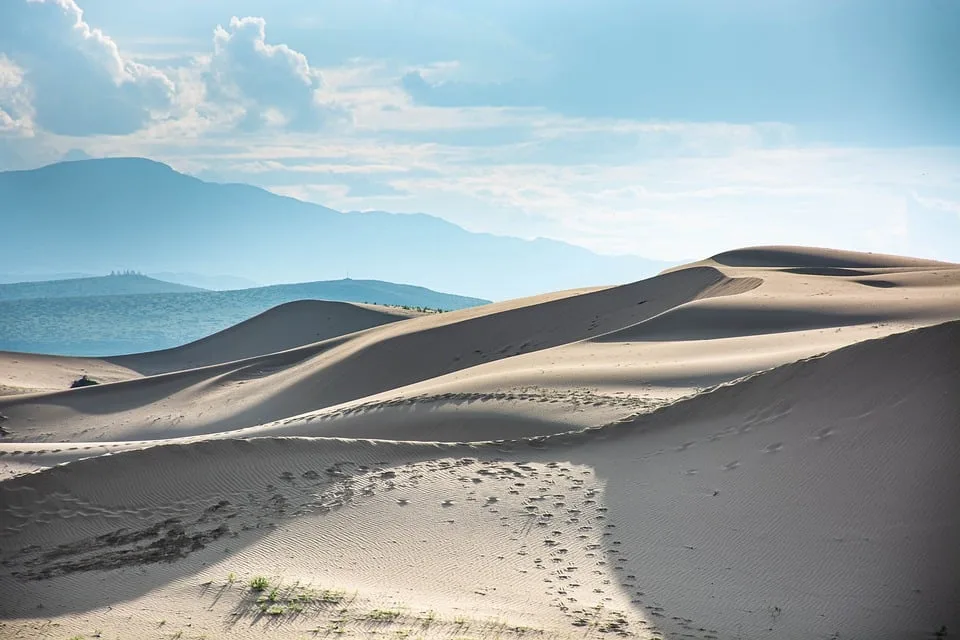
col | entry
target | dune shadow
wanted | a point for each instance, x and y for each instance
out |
(879, 284)
(825, 271)
(735, 516)
(128, 395)
(708, 322)
(815, 259)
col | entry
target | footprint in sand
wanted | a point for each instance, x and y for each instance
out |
(823, 434)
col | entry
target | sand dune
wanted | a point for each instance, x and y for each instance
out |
(37, 373)
(284, 327)
(783, 257)
(741, 448)
(330, 372)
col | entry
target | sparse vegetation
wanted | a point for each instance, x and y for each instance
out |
(407, 307)
(382, 615)
(428, 618)
(274, 599)
(272, 596)
(340, 615)
(259, 583)
(83, 381)
(327, 596)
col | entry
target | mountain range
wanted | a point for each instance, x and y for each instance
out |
(112, 285)
(98, 215)
(199, 280)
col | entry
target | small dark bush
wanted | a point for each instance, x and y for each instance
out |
(83, 381)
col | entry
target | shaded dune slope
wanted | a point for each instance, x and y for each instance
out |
(825, 261)
(283, 327)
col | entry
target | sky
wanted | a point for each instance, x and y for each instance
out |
(670, 129)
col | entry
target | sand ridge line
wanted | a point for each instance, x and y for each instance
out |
(345, 369)
(565, 437)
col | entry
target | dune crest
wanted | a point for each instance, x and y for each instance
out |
(283, 327)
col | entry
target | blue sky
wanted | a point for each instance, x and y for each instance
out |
(671, 130)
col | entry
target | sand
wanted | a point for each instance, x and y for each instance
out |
(283, 327)
(758, 445)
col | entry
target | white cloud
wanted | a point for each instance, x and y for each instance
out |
(274, 84)
(16, 112)
(80, 84)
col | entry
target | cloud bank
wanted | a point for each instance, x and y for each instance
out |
(272, 83)
(79, 84)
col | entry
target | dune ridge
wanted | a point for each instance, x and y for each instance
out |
(283, 327)
(753, 451)
(286, 326)
(330, 372)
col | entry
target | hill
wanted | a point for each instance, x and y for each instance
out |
(120, 324)
(204, 281)
(21, 276)
(112, 285)
(93, 215)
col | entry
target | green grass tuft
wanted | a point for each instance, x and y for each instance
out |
(259, 583)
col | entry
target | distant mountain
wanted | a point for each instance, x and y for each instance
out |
(119, 324)
(216, 283)
(113, 285)
(6, 278)
(96, 215)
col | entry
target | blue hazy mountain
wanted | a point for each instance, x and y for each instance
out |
(131, 213)
(204, 281)
(20, 276)
(112, 285)
(118, 324)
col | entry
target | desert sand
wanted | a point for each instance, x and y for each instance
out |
(763, 444)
